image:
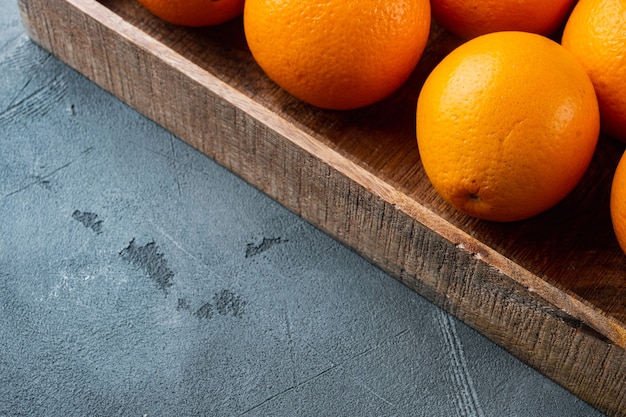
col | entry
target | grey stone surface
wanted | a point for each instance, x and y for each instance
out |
(139, 278)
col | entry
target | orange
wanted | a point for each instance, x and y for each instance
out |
(618, 203)
(507, 124)
(596, 34)
(470, 18)
(194, 13)
(337, 54)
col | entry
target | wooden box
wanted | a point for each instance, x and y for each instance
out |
(551, 290)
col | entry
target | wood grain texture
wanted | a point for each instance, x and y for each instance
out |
(550, 290)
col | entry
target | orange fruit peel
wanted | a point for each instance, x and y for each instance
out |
(471, 18)
(337, 54)
(506, 125)
(596, 34)
(618, 203)
(194, 13)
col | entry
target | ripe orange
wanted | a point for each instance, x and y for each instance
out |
(337, 54)
(194, 13)
(618, 203)
(507, 124)
(470, 18)
(596, 34)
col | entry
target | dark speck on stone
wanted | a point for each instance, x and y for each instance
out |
(150, 261)
(89, 220)
(253, 250)
(228, 302)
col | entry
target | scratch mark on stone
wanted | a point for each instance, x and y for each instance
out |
(13, 101)
(361, 384)
(286, 390)
(17, 54)
(267, 243)
(37, 103)
(89, 220)
(174, 241)
(270, 398)
(465, 395)
(152, 262)
(43, 179)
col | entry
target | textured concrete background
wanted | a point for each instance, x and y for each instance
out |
(138, 278)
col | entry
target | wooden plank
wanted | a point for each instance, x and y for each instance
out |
(550, 290)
